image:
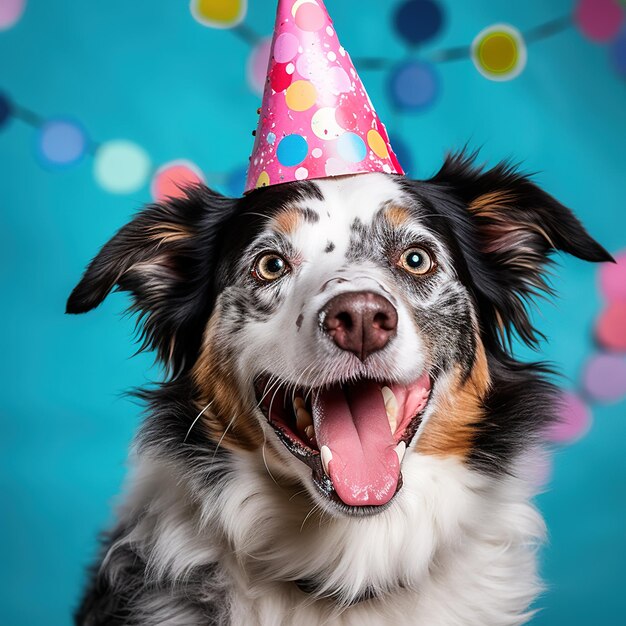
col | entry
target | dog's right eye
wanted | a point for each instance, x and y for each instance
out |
(269, 267)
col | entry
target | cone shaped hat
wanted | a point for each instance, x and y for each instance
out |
(317, 120)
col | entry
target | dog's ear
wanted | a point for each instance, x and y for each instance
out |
(166, 259)
(510, 228)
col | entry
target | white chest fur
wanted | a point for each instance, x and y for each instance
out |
(456, 548)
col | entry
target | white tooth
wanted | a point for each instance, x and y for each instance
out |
(327, 457)
(298, 403)
(303, 419)
(400, 450)
(391, 406)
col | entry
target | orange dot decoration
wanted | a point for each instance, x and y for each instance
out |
(301, 95)
(377, 144)
(499, 52)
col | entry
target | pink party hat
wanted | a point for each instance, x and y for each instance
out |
(317, 120)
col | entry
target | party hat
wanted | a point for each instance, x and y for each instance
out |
(317, 120)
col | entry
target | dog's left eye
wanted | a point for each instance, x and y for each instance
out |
(270, 266)
(416, 261)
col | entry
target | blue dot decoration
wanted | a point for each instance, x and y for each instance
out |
(403, 153)
(351, 148)
(617, 52)
(61, 143)
(417, 21)
(292, 150)
(236, 182)
(414, 86)
(5, 109)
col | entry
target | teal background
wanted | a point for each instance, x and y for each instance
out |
(147, 72)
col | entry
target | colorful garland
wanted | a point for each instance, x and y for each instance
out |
(499, 53)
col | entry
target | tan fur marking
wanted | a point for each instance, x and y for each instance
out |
(491, 203)
(229, 420)
(287, 221)
(450, 429)
(397, 215)
(495, 206)
(168, 233)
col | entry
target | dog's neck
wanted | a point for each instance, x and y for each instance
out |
(450, 528)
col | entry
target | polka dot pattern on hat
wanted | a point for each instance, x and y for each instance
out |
(317, 119)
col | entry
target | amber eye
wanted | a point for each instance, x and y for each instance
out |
(416, 261)
(270, 266)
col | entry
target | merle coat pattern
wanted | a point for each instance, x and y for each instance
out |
(223, 522)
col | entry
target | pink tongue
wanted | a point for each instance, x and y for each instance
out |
(353, 423)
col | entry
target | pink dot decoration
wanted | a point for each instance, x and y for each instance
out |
(257, 65)
(604, 378)
(599, 20)
(286, 48)
(310, 17)
(170, 179)
(613, 279)
(574, 420)
(10, 12)
(611, 327)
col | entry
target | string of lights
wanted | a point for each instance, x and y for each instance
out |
(499, 52)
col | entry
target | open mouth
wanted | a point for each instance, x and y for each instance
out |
(353, 436)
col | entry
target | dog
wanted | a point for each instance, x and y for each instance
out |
(344, 435)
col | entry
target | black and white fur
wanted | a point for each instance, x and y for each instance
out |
(221, 524)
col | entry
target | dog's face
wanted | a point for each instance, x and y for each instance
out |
(341, 313)
(344, 323)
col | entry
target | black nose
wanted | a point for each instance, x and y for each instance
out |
(361, 322)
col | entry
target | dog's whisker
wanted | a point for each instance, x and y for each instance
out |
(311, 512)
(195, 421)
(268, 384)
(257, 214)
(298, 493)
(269, 412)
(228, 427)
(266, 465)
(267, 392)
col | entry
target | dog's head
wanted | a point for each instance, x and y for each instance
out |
(344, 321)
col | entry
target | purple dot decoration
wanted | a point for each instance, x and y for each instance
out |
(61, 143)
(604, 378)
(414, 86)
